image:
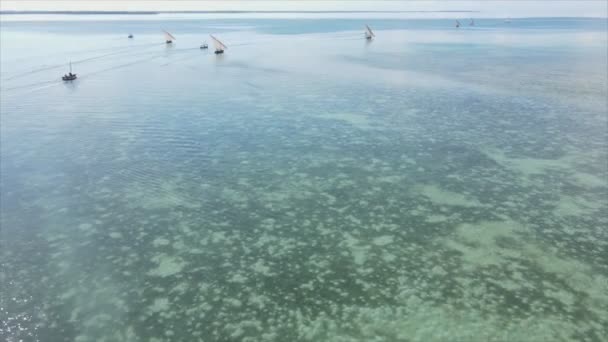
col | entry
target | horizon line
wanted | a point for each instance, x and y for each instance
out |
(113, 12)
(220, 11)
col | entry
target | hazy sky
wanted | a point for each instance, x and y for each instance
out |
(487, 8)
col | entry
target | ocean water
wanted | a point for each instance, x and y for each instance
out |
(434, 184)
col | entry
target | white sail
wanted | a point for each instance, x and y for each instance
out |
(218, 45)
(168, 36)
(369, 32)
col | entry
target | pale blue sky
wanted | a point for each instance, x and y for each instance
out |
(489, 8)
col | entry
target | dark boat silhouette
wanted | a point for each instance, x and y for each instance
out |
(69, 76)
(369, 34)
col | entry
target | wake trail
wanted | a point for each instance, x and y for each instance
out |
(47, 84)
(124, 50)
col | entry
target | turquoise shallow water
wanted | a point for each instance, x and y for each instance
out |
(431, 185)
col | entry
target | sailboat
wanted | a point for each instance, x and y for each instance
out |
(457, 24)
(70, 76)
(204, 46)
(219, 46)
(168, 37)
(472, 23)
(369, 33)
(130, 35)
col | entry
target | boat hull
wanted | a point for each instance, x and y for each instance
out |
(219, 52)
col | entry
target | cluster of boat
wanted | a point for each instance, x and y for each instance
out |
(219, 47)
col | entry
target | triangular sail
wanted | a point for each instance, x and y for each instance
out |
(168, 36)
(369, 32)
(218, 45)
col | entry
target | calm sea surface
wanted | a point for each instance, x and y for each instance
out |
(434, 184)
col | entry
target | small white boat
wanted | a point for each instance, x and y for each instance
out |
(369, 34)
(219, 46)
(204, 46)
(168, 37)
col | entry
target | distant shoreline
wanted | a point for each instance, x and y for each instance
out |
(78, 12)
(151, 13)
(217, 12)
